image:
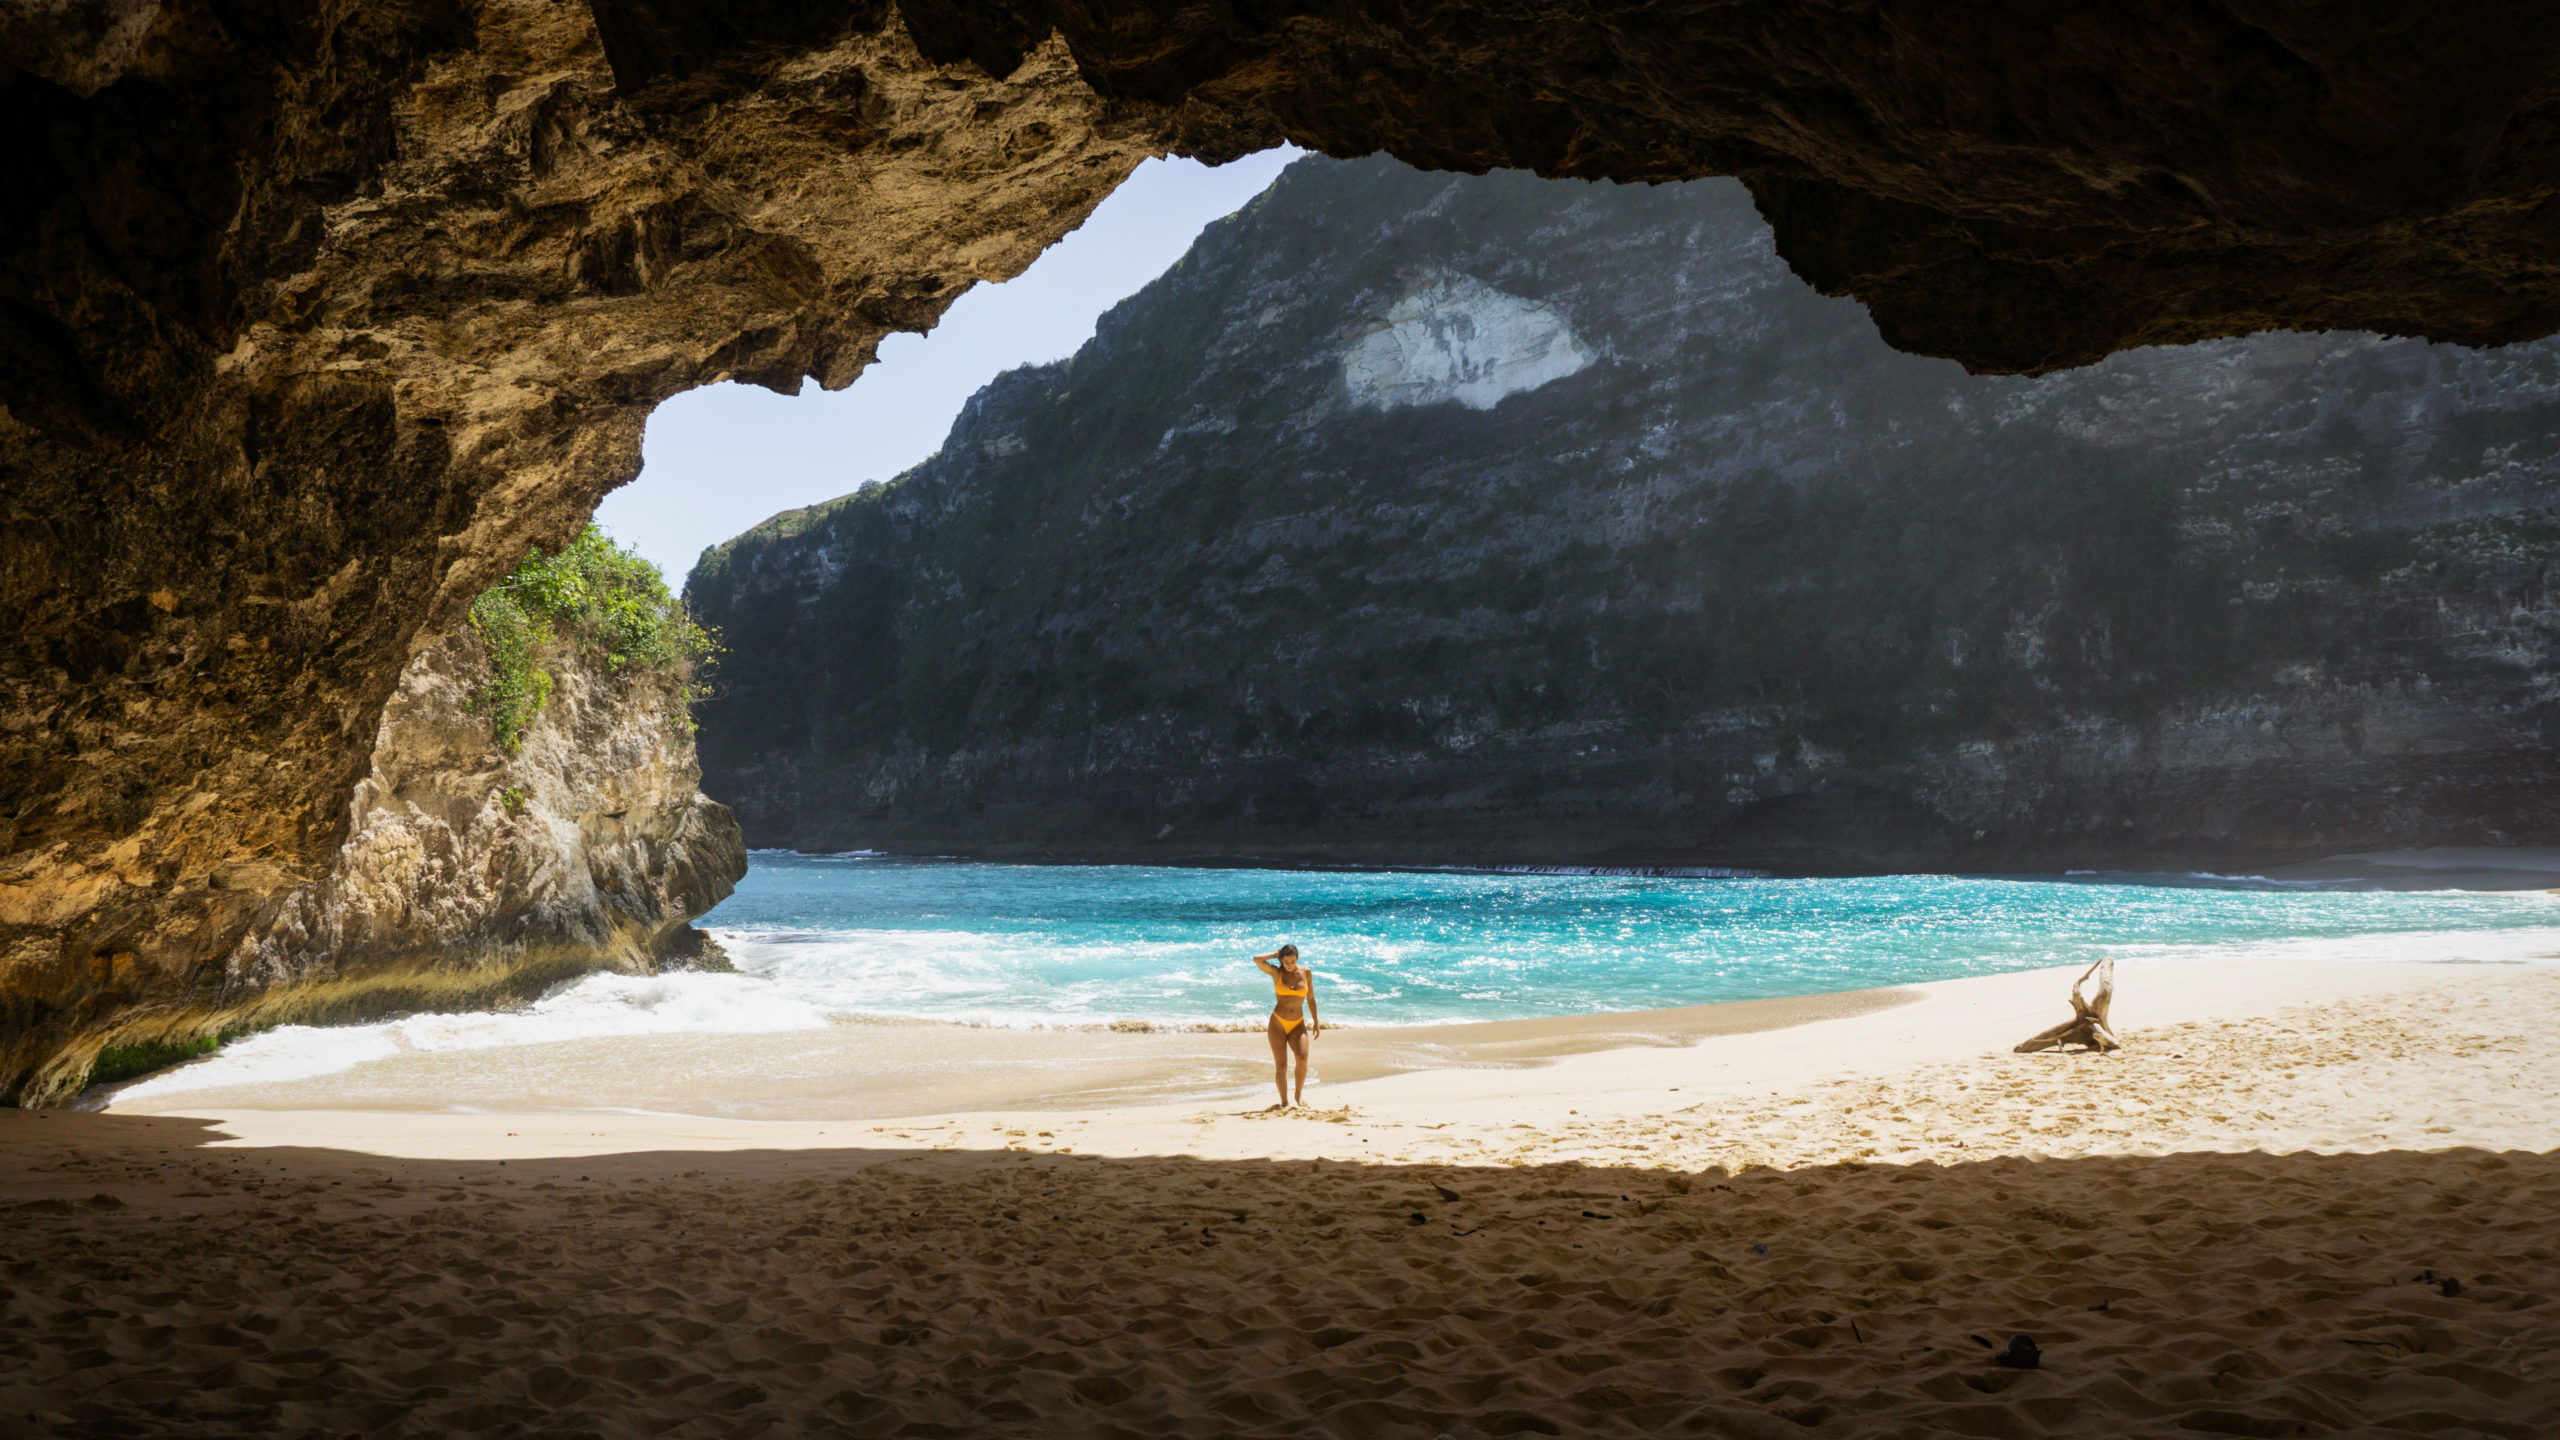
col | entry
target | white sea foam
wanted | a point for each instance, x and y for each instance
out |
(2269, 882)
(1613, 872)
(1018, 978)
(594, 1007)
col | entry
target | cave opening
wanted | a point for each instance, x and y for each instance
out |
(315, 323)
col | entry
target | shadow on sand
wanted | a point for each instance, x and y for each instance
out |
(156, 1286)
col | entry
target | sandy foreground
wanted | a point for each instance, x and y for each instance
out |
(2307, 1199)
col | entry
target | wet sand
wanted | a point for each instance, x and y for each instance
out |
(872, 1069)
(2241, 1225)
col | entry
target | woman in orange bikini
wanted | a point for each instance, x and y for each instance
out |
(1294, 1020)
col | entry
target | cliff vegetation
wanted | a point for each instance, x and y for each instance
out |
(606, 597)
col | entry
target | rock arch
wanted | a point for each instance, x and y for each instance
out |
(313, 315)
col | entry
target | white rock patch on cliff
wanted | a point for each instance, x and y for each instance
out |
(1456, 338)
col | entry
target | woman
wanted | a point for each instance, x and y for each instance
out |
(1294, 1021)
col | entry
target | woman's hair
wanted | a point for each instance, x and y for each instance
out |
(1288, 952)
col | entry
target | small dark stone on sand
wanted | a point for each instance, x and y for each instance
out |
(2022, 1354)
(1419, 1219)
(2451, 1287)
(1758, 1249)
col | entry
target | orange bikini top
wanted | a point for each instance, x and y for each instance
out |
(1294, 994)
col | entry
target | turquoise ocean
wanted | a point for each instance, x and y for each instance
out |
(1036, 944)
(820, 939)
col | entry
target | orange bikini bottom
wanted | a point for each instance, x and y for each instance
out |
(1289, 1027)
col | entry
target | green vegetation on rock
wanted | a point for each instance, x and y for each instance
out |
(593, 593)
(126, 1062)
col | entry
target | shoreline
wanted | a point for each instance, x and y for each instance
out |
(437, 1070)
(723, 1055)
(2488, 868)
(880, 1068)
(1129, 1093)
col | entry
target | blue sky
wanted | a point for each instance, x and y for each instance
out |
(719, 459)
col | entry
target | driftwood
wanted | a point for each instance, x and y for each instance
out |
(2088, 1022)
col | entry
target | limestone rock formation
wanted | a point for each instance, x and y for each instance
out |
(313, 314)
(312, 328)
(1451, 337)
(469, 876)
(1744, 587)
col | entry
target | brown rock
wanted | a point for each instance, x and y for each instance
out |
(468, 876)
(309, 326)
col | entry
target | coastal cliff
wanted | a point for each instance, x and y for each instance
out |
(1429, 519)
(488, 857)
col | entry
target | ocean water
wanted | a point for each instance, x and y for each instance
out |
(823, 938)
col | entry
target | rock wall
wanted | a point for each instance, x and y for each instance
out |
(469, 876)
(316, 324)
(314, 313)
(1435, 520)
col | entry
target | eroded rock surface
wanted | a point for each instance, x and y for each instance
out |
(1452, 337)
(317, 326)
(313, 314)
(1748, 589)
(469, 876)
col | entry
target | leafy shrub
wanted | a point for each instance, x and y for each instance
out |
(592, 593)
(517, 687)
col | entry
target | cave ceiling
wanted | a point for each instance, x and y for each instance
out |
(315, 313)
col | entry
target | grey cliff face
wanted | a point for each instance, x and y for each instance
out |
(470, 876)
(1427, 519)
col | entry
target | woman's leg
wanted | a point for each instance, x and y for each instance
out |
(1279, 1056)
(1298, 1043)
